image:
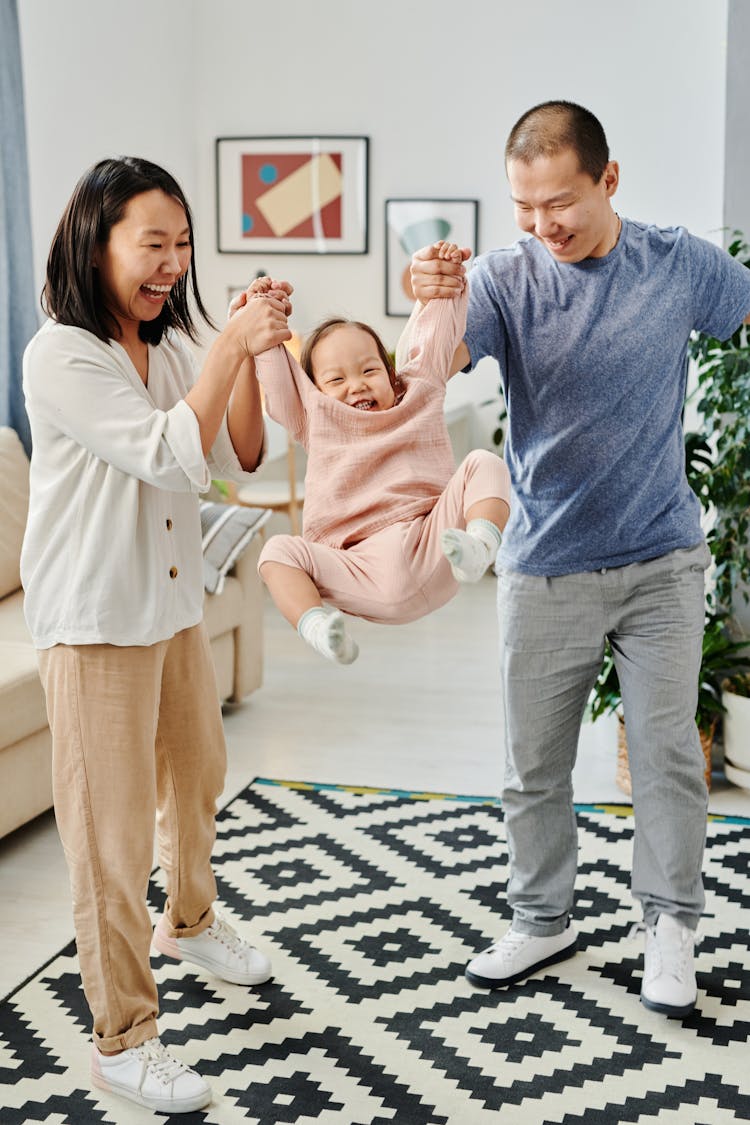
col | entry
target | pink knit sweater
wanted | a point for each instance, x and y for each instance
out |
(367, 470)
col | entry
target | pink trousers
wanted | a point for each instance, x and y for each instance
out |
(400, 573)
(137, 743)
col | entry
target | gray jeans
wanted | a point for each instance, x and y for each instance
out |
(552, 633)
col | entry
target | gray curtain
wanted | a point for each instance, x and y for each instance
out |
(19, 318)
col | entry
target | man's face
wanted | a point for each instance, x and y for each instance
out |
(563, 207)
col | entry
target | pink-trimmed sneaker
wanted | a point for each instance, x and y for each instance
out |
(150, 1076)
(220, 949)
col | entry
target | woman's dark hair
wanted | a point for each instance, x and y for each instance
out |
(72, 292)
(328, 326)
(548, 128)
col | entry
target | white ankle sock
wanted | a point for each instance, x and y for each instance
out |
(325, 631)
(470, 552)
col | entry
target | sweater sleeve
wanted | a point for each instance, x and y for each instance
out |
(286, 390)
(435, 331)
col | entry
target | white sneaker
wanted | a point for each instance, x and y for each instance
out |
(220, 949)
(152, 1077)
(669, 984)
(516, 956)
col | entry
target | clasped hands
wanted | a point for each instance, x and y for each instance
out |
(439, 271)
(263, 309)
(261, 323)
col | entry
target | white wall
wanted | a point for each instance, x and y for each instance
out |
(737, 155)
(436, 86)
(103, 78)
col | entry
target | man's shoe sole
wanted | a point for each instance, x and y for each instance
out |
(502, 982)
(677, 1013)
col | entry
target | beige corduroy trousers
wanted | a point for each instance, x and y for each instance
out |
(138, 745)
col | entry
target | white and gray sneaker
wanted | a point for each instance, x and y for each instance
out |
(152, 1077)
(516, 956)
(669, 984)
(220, 949)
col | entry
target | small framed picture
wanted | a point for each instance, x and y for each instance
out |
(291, 195)
(413, 223)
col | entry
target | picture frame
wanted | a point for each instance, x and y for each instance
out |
(292, 195)
(413, 223)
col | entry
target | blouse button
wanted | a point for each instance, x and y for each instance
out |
(173, 572)
(169, 525)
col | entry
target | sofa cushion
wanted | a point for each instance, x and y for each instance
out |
(26, 780)
(14, 506)
(224, 612)
(227, 530)
(22, 703)
(13, 625)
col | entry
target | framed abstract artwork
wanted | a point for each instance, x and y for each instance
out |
(291, 195)
(413, 223)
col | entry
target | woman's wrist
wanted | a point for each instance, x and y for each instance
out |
(231, 346)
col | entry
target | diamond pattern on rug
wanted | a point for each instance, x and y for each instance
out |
(370, 904)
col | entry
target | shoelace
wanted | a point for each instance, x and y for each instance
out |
(509, 944)
(163, 1066)
(224, 933)
(670, 957)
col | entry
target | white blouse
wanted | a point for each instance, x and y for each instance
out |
(112, 549)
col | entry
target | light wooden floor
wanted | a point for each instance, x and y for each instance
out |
(417, 711)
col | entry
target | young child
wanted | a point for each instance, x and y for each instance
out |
(390, 525)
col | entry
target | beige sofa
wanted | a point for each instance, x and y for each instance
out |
(235, 625)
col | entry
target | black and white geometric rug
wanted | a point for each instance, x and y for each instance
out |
(370, 904)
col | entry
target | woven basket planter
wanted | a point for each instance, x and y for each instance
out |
(622, 773)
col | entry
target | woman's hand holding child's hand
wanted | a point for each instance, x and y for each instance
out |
(261, 324)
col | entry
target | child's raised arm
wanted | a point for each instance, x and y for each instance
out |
(434, 332)
(443, 264)
(285, 385)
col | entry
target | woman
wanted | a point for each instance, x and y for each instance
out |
(125, 438)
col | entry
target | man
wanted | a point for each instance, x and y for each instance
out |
(589, 319)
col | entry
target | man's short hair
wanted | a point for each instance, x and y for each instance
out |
(550, 127)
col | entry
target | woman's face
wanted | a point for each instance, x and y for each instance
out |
(147, 251)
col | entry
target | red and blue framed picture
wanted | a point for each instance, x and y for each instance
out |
(291, 195)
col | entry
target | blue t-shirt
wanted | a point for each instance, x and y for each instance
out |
(593, 358)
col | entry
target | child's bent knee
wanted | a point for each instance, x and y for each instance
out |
(280, 549)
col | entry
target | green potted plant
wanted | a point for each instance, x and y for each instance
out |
(736, 724)
(717, 460)
(722, 482)
(720, 474)
(724, 660)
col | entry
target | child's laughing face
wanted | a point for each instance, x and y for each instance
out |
(346, 365)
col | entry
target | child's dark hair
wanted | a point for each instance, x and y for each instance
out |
(328, 326)
(72, 292)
